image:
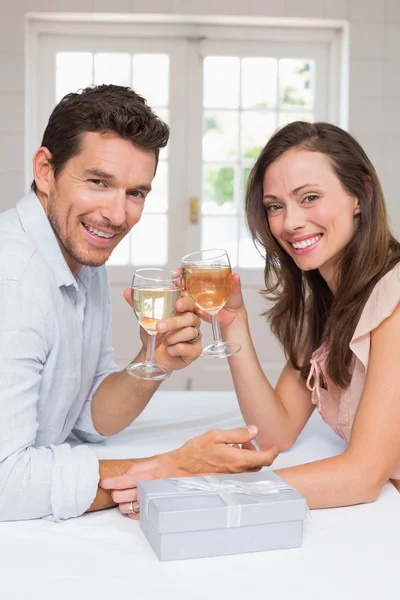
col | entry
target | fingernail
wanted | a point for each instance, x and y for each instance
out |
(252, 429)
(161, 326)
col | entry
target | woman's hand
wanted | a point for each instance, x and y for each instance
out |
(233, 309)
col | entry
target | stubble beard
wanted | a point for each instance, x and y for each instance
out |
(60, 228)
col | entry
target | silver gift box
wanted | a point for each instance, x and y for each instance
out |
(218, 515)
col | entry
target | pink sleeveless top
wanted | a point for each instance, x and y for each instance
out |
(336, 406)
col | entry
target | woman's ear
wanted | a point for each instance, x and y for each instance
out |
(369, 188)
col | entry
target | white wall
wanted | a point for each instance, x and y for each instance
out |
(374, 88)
(374, 82)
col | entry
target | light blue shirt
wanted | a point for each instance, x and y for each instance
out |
(55, 350)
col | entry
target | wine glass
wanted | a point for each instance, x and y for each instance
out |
(207, 277)
(154, 296)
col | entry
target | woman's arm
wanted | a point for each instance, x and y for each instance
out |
(357, 476)
(279, 414)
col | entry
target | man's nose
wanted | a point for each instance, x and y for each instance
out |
(114, 209)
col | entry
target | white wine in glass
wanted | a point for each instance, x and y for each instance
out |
(154, 296)
(207, 277)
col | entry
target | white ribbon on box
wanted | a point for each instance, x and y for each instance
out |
(227, 490)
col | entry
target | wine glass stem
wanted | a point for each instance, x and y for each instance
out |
(216, 329)
(151, 346)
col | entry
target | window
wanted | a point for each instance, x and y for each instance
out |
(223, 90)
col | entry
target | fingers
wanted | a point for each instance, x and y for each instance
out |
(128, 296)
(249, 446)
(261, 458)
(125, 509)
(120, 496)
(179, 321)
(188, 334)
(241, 435)
(185, 303)
(235, 299)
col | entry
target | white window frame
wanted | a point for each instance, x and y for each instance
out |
(335, 33)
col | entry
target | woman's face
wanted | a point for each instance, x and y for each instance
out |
(310, 214)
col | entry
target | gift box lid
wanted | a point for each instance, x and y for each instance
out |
(219, 501)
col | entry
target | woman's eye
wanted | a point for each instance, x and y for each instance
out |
(310, 198)
(270, 208)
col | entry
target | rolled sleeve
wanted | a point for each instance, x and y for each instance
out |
(53, 481)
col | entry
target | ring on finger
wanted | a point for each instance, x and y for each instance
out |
(134, 508)
(196, 337)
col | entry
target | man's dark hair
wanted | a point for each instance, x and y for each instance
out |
(101, 108)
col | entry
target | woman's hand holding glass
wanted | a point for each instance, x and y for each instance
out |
(234, 309)
(207, 277)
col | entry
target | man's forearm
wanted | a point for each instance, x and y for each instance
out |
(119, 399)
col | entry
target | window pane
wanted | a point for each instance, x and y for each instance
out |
(151, 78)
(218, 189)
(288, 117)
(249, 256)
(257, 128)
(221, 81)
(113, 67)
(149, 241)
(220, 140)
(121, 254)
(259, 82)
(296, 83)
(74, 71)
(157, 200)
(221, 232)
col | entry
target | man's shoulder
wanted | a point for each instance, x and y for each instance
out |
(16, 253)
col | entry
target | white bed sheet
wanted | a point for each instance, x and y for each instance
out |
(347, 553)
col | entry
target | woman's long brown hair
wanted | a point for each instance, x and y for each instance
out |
(305, 312)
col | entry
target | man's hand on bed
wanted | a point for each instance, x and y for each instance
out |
(217, 451)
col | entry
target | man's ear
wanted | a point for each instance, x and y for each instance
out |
(42, 169)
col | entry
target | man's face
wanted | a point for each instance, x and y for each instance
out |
(98, 197)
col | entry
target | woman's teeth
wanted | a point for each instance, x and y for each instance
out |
(305, 243)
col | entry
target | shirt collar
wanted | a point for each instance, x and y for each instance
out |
(37, 227)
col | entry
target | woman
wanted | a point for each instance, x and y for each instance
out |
(315, 205)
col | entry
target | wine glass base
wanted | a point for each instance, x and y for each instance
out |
(150, 372)
(221, 350)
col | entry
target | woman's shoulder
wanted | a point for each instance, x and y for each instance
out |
(381, 303)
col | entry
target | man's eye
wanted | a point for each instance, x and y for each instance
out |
(136, 194)
(97, 182)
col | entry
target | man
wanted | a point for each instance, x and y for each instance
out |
(92, 175)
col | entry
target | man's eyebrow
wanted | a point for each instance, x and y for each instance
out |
(294, 192)
(144, 188)
(99, 173)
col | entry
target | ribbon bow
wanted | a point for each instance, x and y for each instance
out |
(227, 490)
(230, 486)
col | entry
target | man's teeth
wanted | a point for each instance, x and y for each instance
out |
(306, 243)
(99, 233)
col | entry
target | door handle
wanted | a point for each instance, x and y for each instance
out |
(194, 210)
